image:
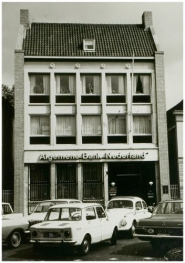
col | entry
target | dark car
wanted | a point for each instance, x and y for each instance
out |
(164, 227)
(175, 254)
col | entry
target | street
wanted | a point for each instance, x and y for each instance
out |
(126, 250)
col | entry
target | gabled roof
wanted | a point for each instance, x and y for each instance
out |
(66, 40)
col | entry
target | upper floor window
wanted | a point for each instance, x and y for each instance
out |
(117, 129)
(141, 88)
(115, 88)
(91, 129)
(39, 88)
(89, 45)
(66, 130)
(142, 129)
(40, 129)
(65, 88)
(91, 88)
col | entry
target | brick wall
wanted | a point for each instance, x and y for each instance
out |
(162, 123)
(19, 133)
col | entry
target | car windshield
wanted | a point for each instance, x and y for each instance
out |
(64, 214)
(169, 208)
(43, 207)
(120, 204)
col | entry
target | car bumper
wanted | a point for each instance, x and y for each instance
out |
(73, 242)
(161, 236)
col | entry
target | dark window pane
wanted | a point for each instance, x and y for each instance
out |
(39, 140)
(116, 99)
(91, 99)
(117, 139)
(144, 99)
(39, 99)
(142, 139)
(65, 99)
(91, 139)
(66, 140)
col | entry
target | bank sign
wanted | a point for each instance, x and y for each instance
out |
(96, 156)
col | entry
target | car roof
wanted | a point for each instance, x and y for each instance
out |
(59, 200)
(126, 197)
(77, 205)
(171, 200)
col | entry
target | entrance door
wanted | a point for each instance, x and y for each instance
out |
(128, 185)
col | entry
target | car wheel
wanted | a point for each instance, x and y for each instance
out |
(85, 246)
(132, 230)
(14, 240)
(114, 237)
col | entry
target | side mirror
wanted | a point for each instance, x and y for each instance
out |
(150, 209)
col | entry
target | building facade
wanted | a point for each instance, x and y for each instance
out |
(175, 146)
(90, 116)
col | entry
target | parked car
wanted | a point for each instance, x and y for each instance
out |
(165, 227)
(74, 225)
(126, 211)
(8, 213)
(42, 207)
(14, 226)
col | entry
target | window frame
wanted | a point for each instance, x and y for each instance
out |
(85, 45)
(115, 97)
(43, 138)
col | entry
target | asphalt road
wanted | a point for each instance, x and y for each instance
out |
(125, 250)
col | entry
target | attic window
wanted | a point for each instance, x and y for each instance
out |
(89, 45)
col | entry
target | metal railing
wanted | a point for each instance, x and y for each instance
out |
(174, 191)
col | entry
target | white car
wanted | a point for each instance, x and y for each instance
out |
(75, 225)
(42, 207)
(125, 211)
(14, 226)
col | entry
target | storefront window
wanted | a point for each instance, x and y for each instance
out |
(91, 129)
(142, 129)
(39, 88)
(92, 182)
(66, 130)
(40, 130)
(91, 89)
(39, 182)
(141, 88)
(66, 181)
(116, 88)
(65, 88)
(117, 129)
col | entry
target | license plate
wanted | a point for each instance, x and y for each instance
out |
(50, 235)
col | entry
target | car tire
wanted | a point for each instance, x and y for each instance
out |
(114, 237)
(15, 239)
(85, 246)
(132, 230)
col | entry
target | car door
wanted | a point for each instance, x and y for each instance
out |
(106, 226)
(93, 224)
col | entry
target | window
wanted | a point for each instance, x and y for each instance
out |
(90, 213)
(92, 181)
(66, 181)
(66, 130)
(144, 205)
(40, 130)
(91, 89)
(117, 129)
(39, 88)
(141, 88)
(65, 88)
(89, 45)
(142, 129)
(138, 205)
(91, 129)
(116, 88)
(100, 212)
(39, 182)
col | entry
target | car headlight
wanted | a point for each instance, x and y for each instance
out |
(34, 233)
(67, 233)
(123, 222)
(151, 231)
